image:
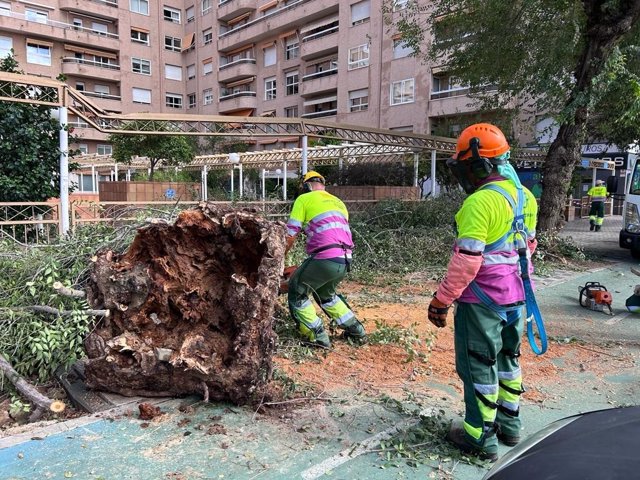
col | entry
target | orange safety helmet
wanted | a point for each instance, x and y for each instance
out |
(491, 142)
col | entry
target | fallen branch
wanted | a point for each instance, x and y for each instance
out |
(55, 311)
(29, 392)
(68, 292)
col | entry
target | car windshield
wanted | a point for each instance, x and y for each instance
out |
(634, 188)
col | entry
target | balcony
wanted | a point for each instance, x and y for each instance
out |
(320, 39)
(319, 82)
(233, 8)
(322, 113)
(99, 8)
(19, 23)
(90, 68)
(324, 106)
(452, 101)
(238, 98)
(244, 67)
(264, 27)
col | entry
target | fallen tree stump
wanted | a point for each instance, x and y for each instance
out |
(191, 307)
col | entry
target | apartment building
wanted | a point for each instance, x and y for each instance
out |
(318, 59)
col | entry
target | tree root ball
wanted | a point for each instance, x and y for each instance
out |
(192, 307)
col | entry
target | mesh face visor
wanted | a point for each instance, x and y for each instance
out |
(462, 173)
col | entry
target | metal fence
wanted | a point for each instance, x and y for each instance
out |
(39, 222)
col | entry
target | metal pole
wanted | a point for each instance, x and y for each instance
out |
(284, 181)
(233, 172)
(594, 176)
(264, 184)
(433, 173)
(63, 118)
(205, 190)
(94, 185)
(128, 177)
(115, 166)
(416, 158)
(240, 180)
(303, 163)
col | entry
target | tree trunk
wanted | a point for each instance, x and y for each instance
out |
(192, 307)
(605, 27)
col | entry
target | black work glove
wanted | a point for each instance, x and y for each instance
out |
(438, 312)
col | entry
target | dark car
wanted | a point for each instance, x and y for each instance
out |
(598, 445)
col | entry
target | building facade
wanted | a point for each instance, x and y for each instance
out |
(322, 59)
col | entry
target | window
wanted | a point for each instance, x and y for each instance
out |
(401, 49)
(172, 43)
(402, 91)
(6, 44)
(270, 88)
(139, 36)
(191, 71)
(207, 36)
(99, 28)
(360, 12)
(400, 4)
(173, 72)
(191, 98)
(80, 86)
(207, 96)
(171, 14)
(38, 54)
(359, 57)
(139, 6)
(291, 112)
(359, 100)
(5, 9)
(173, 100)
(206, 6)
(36, 15)
(102, 89)
(77, 23)
(84, 149)
(139, 65)
(190, 14)
(270, 56)
(141, 95)
(291, 47)
(291, 80)
(207, 66)
(104, 149)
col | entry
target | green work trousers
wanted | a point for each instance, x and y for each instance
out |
(487, 346)
(596, 213)
(317, 278)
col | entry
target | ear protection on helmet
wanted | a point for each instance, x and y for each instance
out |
(469, 172)
(306, 188)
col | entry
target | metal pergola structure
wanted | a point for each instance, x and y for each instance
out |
(365, 144)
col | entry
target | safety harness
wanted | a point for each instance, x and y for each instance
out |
(519, 233)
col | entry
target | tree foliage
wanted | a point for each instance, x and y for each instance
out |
(29, 147)
(573, 60)
(159, 149)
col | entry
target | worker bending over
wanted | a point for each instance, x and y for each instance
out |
(325, 221)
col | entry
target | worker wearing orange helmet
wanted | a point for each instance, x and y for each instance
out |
(325, 222)
(483, 278)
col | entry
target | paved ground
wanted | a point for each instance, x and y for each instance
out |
(334, 439)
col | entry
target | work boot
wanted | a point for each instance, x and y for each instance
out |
(354, 331)
(458, 437)
(322, 339)
(598, 227)
(508, 440)
(592, 226)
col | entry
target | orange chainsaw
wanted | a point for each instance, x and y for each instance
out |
(595, 297)
(286, 275)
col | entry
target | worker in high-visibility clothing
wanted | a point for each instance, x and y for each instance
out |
(597, 196)
(325, 221)
(483, 278)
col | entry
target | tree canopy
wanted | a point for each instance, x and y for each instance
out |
(575, 61)
(166, 150)
(29, 147)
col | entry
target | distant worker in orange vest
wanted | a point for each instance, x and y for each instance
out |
(597, 195)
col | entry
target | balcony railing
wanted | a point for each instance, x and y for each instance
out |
(260, 19)
(82, 61)
(64, 26)
(324, 73)
(228, 94)
(237, 62)
(322, 33)
(102, 95)
(324, 113)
